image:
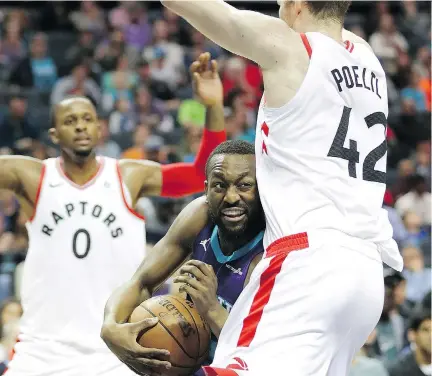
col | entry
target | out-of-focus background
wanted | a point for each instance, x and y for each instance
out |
(132, 58)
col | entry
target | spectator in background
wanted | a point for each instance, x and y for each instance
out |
(387, 42)
(89, 17)
(119, 17)
(9, 208)
(140, 138)
(149, 110)
(414, 92)
(416, 234)
(17, 130)
(39, 70)
(193, 139)
(178, 31)
(12, 48)
(138, 32)
(172, 54)
(390, 328)
(423, 160)
(118, 84)
(405, 169)
(110, 50)
(160, 69)
(121, 119)
(156, 150)
(417, 276)
(400, 233)
(242, 74)
(77, 83)
(160, 89)
(85, 47)
(107, 147)
(418, 200)
(418, 361)
(363, 365)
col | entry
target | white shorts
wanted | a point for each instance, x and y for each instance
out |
(51, 358)
(303, 313)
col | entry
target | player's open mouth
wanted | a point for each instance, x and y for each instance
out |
(82, 141)
(233, 214)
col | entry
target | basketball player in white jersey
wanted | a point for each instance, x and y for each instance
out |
(85, 237)
(321, 170)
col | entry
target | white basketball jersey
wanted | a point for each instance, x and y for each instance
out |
(85, 241)
(321, 158)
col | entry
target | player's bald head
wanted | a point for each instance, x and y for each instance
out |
(69, 103)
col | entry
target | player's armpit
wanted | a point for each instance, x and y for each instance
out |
(258, 37)
(252, 267)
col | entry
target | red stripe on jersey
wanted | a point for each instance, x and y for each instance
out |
(306, 44)
(38, 192)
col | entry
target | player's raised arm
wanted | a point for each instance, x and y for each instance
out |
(145, 178)
(20, 175)
(166, 256)
(258, 37)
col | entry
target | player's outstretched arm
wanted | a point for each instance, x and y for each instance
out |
(256, 36)
(161, 262)
(144, 178)
(21, 175)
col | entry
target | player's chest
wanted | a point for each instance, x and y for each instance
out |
(100, 210)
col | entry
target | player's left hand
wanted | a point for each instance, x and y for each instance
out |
(207, 84)
(200, 283)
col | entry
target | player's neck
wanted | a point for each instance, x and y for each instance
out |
(423, 358)
(231, 243)
(80, 172)
(329, 28)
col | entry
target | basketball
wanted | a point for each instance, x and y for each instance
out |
(180, 330)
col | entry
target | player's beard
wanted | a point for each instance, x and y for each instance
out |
(83, 153)
(254, 223)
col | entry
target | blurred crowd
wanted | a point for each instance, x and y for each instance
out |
(131, 59)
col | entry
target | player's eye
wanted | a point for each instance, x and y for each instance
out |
(245, 186)
(218, 185)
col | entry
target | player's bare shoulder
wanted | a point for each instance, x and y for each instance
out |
(21, 174)
(141, 177)
(191, 220)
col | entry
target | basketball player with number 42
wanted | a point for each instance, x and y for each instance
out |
(321, 169)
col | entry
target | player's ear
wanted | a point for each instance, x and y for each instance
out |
(53, 135)
(411, 336)
(206, 187)
(98, 126)
(298, 6)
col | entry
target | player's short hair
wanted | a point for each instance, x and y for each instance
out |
(329, 9)
(238, 147)
(54, 107)
(419, 316)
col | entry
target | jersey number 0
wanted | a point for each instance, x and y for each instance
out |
(85, 243)
(351, 154)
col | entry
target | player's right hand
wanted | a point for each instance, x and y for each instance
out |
(121, 339)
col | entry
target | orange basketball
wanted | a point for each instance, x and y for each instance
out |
(180, 330)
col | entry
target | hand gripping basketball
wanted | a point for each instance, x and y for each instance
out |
(122, 341)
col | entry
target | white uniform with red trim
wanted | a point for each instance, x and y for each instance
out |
(84, 243)
(321, 163)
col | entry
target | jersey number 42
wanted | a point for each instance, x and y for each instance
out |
(351, 154)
